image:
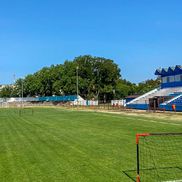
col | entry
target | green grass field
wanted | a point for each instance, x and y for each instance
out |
(64, 145)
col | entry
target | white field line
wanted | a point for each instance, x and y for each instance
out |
(180, 180)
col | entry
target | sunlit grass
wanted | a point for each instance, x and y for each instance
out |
(59, 145)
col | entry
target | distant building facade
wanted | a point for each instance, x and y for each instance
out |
(169, 93)
(170, 77)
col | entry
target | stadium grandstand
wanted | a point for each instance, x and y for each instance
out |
(57, 98)
(68, 98)
(166, 96)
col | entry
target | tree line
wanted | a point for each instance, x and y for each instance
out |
(98, 78)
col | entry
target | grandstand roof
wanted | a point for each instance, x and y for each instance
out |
(169, 71)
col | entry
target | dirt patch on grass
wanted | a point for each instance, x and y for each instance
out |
(156, 115)
(168, 116)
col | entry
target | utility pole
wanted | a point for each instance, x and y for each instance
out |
(22, 92)
(77, 83)
(14, 78)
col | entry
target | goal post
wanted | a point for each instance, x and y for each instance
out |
(159, 157)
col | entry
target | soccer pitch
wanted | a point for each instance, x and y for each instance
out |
(63, 145)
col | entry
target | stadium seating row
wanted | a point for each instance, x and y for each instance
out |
(177, 101)
(57, 98)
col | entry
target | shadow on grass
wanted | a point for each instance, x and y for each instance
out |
(164, 173)
(130, 174)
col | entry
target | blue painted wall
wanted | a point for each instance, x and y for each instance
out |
(169, 107)
(138, 106)
(129, 99)
(171, 84)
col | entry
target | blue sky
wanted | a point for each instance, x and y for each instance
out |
(140, 35)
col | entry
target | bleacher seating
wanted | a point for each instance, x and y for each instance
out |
(69, 98)
(175, 94)
(159, 92)
(177, 101)
(18, 99)
(1, 100)
(142, 102)
(170, 92)
(57, 98)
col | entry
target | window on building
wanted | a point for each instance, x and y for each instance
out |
(171, 79)
(167, 79)
(177, 78)
(164, 79)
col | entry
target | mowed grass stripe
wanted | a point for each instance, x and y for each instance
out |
(60, 145)
(7, 161)
(23, 149)
(18, 144)
(33, 155)
(25, 154)
(15, 170)
(45, 156)
(74, 145)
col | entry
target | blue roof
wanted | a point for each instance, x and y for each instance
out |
(169, 71)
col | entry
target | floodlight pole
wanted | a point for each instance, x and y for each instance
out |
(77, 83)
(22, 93)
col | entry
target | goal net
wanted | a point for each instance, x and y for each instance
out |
(159, 157)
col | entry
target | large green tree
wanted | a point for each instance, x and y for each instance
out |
(147, 85)
(124, 88)
(98, 78)
(7, 91)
